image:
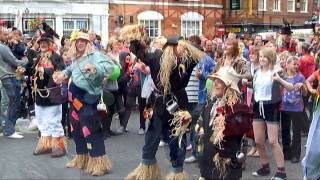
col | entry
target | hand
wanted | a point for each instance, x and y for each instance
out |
(198, 73)
(58, 77)
(313, 91)
(21, 70)
(298, 86)
(244, 82)
(276, 77)
(89, 68)
(40, 70)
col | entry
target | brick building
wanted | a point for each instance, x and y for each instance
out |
(205, 17)
(167, 17)
(260, 15)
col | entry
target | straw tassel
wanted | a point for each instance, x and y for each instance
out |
(145, 172)
(221, 164)
(98, 166)
(80, 161)
(177, 176)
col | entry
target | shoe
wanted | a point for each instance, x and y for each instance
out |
(256, 154)
(261, 172)
(120, 130)
(189, 148)
(126, 130)
(15, 135)
(295, 160)
(141, 131)
(279, 176)
(190, 159)
(20, 133)
(252, 151)
(162, 143)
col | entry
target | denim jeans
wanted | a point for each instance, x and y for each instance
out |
(10, 101)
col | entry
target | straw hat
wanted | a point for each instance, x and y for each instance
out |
(82, 35)
(227, 75)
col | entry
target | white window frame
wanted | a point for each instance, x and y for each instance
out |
(278, 3)
(75, 21)
(151, 16)
(191, 17)
(294, 6)
(264, 5)
(306, 7)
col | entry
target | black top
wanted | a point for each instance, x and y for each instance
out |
(56, 97)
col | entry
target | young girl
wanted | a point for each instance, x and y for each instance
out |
(252, 67)
(267, 96)
(292, 110)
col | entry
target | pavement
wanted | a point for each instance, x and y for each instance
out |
(17, 161)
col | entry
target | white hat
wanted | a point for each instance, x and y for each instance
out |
(227, 75)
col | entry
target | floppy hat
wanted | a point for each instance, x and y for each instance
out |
(228, 76)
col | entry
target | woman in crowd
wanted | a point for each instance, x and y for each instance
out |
(310, 161)
(267, 97)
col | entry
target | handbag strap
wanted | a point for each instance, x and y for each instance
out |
(90, 83)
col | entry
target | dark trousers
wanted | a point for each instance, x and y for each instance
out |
(292, 145)
(66, 119)
(159, 125)
(86, 125)
(117, 106)
(133, 94)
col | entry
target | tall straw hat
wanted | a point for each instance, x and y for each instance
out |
(228, 76)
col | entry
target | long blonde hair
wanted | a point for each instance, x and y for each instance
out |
(169, 62)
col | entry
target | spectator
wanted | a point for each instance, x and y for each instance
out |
(10, 90)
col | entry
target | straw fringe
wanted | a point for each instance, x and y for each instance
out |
(98, 166)
(80, 161)
(43, 146)
(221, 164)
(145, 172)
(177, 176)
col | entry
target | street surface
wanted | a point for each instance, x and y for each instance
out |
(17, 161)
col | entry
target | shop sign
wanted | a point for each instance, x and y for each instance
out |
(233, 30)
(235, 4)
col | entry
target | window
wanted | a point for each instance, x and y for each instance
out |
(262, 5)
(304, 5)
(27, 29)
(291, 5)
(70, 24)
(151, 20)
(7, 22)
(276, 5)
(152, 27)
(191, 24)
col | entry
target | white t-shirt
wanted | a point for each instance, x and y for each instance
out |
(262, 85)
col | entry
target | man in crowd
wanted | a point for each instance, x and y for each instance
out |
(10, 90)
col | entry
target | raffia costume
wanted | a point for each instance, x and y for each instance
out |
(170, 76)
(84, 95)
(48, 102)
(225, 122)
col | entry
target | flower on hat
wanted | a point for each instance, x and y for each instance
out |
(74, 35)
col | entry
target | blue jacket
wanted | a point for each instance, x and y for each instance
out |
(206, 65)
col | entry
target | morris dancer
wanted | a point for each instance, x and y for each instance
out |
(225, 122)
(88, 70)
(48, 100)
(170, 71)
